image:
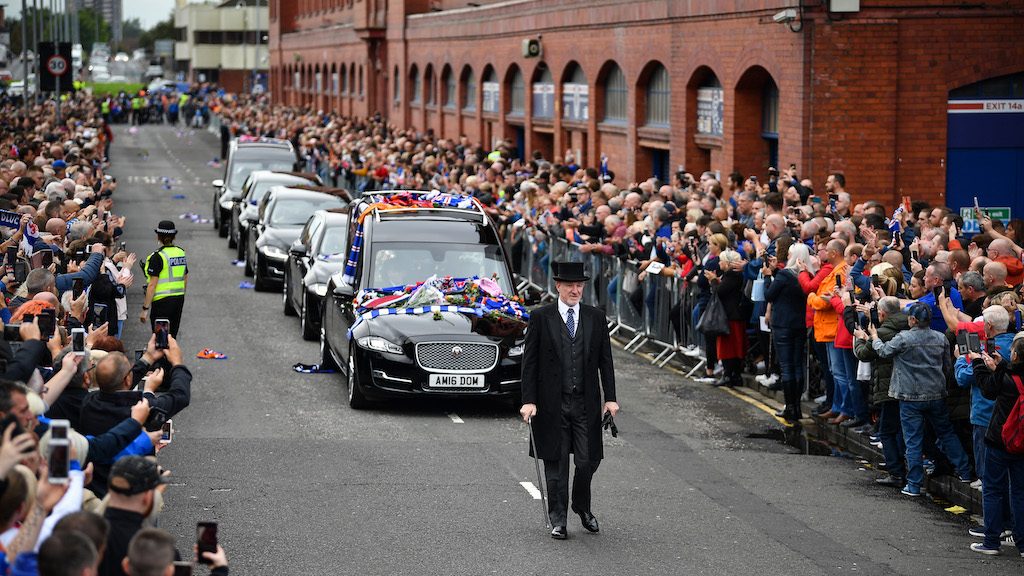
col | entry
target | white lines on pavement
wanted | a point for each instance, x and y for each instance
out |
(529, 487)
(455, 418)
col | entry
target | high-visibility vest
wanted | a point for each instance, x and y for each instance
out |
(171, 281)
(105, 107)
(137, 103)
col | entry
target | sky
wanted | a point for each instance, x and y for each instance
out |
(149, 12)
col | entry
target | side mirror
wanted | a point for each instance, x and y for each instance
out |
(344, 290)
(218, 183)
(297, 249)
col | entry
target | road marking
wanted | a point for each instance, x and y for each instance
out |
(455, 418)
(531, 489)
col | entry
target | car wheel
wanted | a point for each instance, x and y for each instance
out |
(260, 282)
(286, 295)
(248, 262)
(240, 251)
(232, 238)
(356, 400)
(216, 213)
(326, 359)
(309, 331)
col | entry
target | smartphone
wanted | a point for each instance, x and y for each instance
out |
(12, 257)
(167, 432)
(990, 346)
(59, 429)
(876, 281)
(46, 258)
(138, 354)
(937, 292)
(973, 343)
(977, 207)
(122, 247)
(162, 329)
(77, 287)
(99, 315)
(20, 271)
(78, 341)
(864, 321)
(47, 323)
(7, 421)
(60, 461)
(182, 568)
(839, 280)
(961, 342)
(28, 318)
(206, 539)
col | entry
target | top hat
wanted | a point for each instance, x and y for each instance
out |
(166, 227)
(568, 272)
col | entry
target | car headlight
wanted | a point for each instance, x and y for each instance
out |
(379, 344)
(516, 350)
(226, 204)
(273, 252)
(319, 289)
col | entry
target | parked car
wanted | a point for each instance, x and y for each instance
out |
(246, 208)
(313, 258)
(244, 156)
(283, 213)
(446, 354)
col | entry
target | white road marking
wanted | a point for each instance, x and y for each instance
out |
(529, 487)
(455, 418)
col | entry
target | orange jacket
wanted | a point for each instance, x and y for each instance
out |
(826, 321)
(1014, 269)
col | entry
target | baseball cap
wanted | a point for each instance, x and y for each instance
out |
(133, 475)
(58, 164)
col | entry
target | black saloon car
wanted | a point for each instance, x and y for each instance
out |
(318, 254)
(246, 209)
(283, 213)
(244, 156)
(449, 353)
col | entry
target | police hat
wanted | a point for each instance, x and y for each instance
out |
(166, 228)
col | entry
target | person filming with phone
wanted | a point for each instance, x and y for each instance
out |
(167, 273)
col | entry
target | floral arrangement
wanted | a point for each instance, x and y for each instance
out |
(481, 296)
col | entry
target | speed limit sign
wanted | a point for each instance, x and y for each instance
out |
(57, 65)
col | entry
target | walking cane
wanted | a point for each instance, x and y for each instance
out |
(540, 479)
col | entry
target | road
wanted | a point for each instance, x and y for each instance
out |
(301, 484)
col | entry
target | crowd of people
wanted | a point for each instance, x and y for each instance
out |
(82, 419)
(860, 306)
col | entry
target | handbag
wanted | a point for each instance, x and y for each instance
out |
(757, 288)
(713, 321)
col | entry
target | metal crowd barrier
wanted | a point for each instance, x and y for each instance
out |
(643, 309)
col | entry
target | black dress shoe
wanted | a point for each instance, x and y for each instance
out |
(559, 533)
(589, 521)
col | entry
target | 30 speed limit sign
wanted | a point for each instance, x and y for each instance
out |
(57, 65)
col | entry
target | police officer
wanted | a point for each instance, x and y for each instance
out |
(167, 275)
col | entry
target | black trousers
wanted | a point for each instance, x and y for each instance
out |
(556, 472)
(168, 309)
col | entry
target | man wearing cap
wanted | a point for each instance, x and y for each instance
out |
(133, 484)
(566, 367)
(167, 272)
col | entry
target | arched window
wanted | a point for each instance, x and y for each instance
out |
(449, 88)
(429, 85)
(417, 87)
(344, 80)
(659, 98)
(469, 93)
(576, 96)
(616, 95)
(518, 100)
(361, 92)
(544, 95)
(491, 92)
(396, 86)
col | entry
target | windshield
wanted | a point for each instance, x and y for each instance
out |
(399, 263)
(295, 211)
(334, 241)
(240, 168)
(259, 190)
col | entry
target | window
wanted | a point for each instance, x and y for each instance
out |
(396, 88)
(491, 93)
(576, 97)
(344, 80)
(428, 80)
(518, 99)
(659, 98)
(449, 89)
(616, 95)
(361, 92)
(335, 84)
(770, 112)
(469, 95)
(544, 95)
(417, 87)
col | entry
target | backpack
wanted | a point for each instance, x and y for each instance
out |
(1013, 428)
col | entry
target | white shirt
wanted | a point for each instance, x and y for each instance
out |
(563, 311)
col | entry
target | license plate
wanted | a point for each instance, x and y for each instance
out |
(456, 381)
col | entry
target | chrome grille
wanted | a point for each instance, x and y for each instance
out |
(456, 356)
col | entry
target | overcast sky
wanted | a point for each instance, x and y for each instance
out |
(149, 12)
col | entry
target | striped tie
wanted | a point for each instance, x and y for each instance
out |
(570, 323)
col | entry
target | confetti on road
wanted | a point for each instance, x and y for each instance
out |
(246, 285)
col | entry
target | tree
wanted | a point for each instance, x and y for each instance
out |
(131, 29)
(163, 30)
(87, 28)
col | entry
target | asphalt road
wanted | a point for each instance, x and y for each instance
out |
(301, 484)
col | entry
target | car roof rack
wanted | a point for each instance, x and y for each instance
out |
(474, 208)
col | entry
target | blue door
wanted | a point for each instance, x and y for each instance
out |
(994, 175)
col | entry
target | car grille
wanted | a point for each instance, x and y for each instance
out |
(456, 356)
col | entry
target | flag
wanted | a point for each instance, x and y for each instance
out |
(29, 238)
(894, 222)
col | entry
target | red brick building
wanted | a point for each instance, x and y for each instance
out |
(862, 87)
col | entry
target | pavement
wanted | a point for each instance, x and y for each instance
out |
(698, 481)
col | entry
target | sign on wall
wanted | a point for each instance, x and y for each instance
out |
(709, 111)
(576, 101)
(971, 224)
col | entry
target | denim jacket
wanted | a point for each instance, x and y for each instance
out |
(920, 364)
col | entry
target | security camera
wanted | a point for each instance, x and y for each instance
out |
(785, 16)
